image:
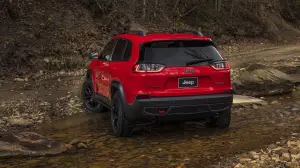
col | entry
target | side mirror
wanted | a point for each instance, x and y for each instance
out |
(108, 57)
(94, 55)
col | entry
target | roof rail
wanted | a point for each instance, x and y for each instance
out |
(188, 32)
(135, 32)
(142, 33)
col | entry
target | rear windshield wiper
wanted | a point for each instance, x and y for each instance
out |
(198, 56)
(199, 61)
(194, 54)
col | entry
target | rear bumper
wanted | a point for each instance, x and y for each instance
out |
(184, 108)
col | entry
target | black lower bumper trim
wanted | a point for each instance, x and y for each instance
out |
(179, 106)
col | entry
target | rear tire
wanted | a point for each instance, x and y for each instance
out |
(222, 121)
(86, 95)
(120, 125)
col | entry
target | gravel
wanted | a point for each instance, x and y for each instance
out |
(27, 113)
(41, 101)
(285, 153)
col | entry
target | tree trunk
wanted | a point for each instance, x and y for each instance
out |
(155, 8)
(232, 7)
(144, 9)
(218, 4)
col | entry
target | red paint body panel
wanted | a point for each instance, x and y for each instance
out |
(162, 84)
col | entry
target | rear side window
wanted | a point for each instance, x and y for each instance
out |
(122, 50)
(178, 52)
(127, 53)
(107, 52)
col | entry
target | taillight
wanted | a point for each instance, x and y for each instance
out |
(151, 68)
(221, 65)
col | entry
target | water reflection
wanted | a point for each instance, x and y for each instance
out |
(161, 145)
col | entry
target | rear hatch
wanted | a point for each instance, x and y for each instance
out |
(183, 68)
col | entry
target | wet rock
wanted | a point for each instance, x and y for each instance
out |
(264, 157)
(244, 160)
(28, 144)
(72, 101)
(69, 147)
(286, 113)
(247, 101)
(262, 81)
(296, 92)
(285, 150)
(19, 122)
(251, 165)
(286, 157)
(275, 158)
(254, 155)
(7, 149)
(44, 104)
(86, 141)
(293, 143)
(295, 164)
(75, 142)
(296, 157)
(294, 151)
(272, 146)
(181, 166)
(289, 164)
(264, 103)
(98, 145)
(255, 107)
(278, 110)
(81, 146)
(21, 80)
(239, 166)
(278, 150)
(275, 102)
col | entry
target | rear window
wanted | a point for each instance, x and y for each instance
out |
(178, 52)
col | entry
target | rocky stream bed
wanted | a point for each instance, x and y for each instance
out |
(42, 124)
(85, 140)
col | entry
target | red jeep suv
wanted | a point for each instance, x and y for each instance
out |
(144, 78)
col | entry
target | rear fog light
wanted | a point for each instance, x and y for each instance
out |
(142, 97)
(162, 111)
